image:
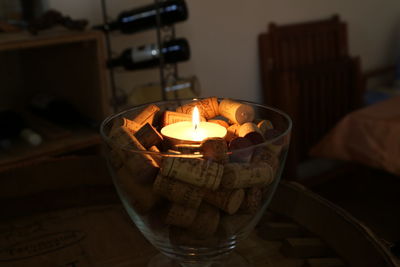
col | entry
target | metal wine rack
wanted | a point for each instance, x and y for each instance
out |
(168, 72)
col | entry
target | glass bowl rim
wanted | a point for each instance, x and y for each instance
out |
(170, 154)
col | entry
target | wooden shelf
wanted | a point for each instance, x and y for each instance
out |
(70, 65)
(22, 154)
(25, 40)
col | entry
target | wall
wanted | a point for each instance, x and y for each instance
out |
(223, 36)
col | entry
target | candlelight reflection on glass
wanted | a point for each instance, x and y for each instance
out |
(196, 176)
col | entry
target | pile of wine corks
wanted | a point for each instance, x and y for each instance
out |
(199, 191)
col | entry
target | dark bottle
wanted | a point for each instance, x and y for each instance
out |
(14, 126)
(148, 56)
(145, 17)
(58, 111)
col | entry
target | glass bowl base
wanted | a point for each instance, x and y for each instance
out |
(232, 260)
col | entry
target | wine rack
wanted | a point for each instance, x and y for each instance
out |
(168, 73)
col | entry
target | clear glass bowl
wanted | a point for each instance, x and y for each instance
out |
(194, 205)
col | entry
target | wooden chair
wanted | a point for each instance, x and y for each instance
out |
(307, 72)
(303, 44)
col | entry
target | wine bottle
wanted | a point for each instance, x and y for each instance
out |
(58, 111)
(148, 56)
(13, 125)
(145, 17)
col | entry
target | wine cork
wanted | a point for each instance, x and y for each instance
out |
(220, 122)
(264, 154)
(157, 158)
(246, 128)
(141, 165)
(243, 175)
(115, 160)
(255, 138)
(154, 149)
(208, 108)
(123, 138)
(233, 224)
(206, 221)
(156, 217)
(252, 200)
(148, 136)
(182, 193)
(146, 115)
(180, 216)
(132, 126)
(140, 196)
(231, 132)
(227, 200)
(174, 152)
(265, 125)
(236, 112)
(171, 117)
(250, 131)
(194, 171)
(215, 149)
(239, 153)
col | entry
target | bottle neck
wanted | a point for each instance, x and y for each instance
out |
(138, 19)
(144, 18)
(147, 56)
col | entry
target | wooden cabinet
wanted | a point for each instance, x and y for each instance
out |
(70, 65)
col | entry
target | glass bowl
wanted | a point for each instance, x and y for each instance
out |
(195, 201)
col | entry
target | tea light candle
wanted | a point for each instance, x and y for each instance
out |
(193, 131)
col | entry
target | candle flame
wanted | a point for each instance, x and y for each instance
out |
(195, 118)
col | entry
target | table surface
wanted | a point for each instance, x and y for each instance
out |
(103, 235)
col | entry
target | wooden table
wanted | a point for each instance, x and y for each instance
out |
(300, 228)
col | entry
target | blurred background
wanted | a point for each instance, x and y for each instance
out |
(223, 36)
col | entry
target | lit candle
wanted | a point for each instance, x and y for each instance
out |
(193, 131)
